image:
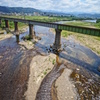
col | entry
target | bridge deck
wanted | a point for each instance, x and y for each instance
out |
(72, 28)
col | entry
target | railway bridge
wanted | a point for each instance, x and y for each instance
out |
(58, 28)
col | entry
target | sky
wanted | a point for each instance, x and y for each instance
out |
(86, 6)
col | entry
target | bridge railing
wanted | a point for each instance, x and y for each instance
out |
(79, 29)
(72, 28)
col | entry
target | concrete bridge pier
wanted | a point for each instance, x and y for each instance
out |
(17, 38)
(57, 43)
(16, 26)
(6, 24)
(16, 31)
(0, 22)
(31, 32)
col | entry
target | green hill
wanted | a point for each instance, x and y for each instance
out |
(17, 10)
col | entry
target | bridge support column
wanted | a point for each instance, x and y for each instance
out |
(31, 32)
(57, 43)
(0, 22)
(16, 31)
(6, 24)
(17, 38)
(16, 26)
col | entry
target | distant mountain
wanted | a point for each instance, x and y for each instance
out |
(17, 10)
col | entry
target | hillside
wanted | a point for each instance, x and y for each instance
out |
(17, 10)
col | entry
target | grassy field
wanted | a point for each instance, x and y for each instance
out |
(43, 18)
(85, 24)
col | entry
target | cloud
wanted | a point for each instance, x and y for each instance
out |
(56, 5)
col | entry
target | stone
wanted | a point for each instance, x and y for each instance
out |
(77, 69)
(0, 74)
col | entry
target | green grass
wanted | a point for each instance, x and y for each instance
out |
(97, 38)
(84, 24)
(45, 72)
(43, 18)
(53, 61)
(65, 33)
(97, 25)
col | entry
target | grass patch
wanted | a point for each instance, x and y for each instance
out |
(84, 24)
(27, 37)
(66, 33)
(43, 18)
(45, 72)
(97, 25)
(53, 61)
(97, 38)
(81, 23)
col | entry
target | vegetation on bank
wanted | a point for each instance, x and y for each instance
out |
(85, 24)
(42, 18)
(49, 18)
(11, 25)
(98, 20)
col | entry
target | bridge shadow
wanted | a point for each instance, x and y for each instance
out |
(91, 67)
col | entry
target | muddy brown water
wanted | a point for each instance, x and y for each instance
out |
(14, 68)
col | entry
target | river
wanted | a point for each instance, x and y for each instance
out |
(62, 22)
(73, 52)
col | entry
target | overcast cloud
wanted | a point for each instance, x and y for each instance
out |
(56, 5)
